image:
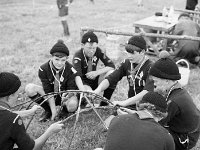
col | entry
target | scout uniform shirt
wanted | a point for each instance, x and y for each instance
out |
(67, 77)
(80, 62)
(12, 130)
(136, 74)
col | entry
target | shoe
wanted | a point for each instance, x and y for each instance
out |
(45, 116)
(102, 103)
(83, 103)
(64, 114)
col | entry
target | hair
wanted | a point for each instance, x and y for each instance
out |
(184, 15)
(131, 48)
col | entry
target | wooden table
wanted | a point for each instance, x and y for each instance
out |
(159, 23)
(163, 25)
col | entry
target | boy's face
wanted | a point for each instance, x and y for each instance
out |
(160, 85)
(59, 62)
(13, 98)
(135, 57)
(90, 48)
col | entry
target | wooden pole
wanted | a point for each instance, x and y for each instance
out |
(188, 11)
(176, 37)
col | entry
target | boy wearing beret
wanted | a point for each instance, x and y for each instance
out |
(56, 75)
(12, 129)
(85, 62)
(140, 130)
(135, 68)
(183, 120)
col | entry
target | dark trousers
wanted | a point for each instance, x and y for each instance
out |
(181, 140)
(107, 93)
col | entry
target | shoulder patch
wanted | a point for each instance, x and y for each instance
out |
(75, 61)
(73, 70)
(77, 58)
(40, 69)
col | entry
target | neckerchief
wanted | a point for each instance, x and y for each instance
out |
(134, 71)
(57, 77)
(86, 61)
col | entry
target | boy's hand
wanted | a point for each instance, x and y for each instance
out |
(121, 112)
(56, 127)
(35, 108)
(91, 75)
(120, 103)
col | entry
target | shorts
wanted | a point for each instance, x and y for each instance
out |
(63, 11)
(92, 83)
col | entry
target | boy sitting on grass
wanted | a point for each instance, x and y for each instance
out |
(12, 129)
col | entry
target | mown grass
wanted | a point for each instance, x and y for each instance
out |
(30, 28)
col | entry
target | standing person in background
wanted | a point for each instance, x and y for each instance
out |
(85, 62)
(186, 49)
(12, 129)
(191, 4)
(63, 7)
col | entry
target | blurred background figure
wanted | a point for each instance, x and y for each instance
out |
(63, 8)
(92, 1)
(139, 3)
(187, 49)
(191, 4)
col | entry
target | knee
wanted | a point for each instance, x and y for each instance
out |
(71, 104)
(87, 88)
(30, 89)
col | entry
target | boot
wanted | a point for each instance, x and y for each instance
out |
(66, 28)
(47, 111)
(46, 115)
(107, 94)
(64, 113)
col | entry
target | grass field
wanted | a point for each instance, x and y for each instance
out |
(29, 29)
